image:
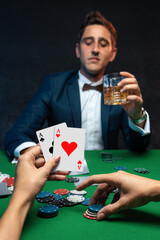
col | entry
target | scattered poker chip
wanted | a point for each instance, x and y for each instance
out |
(11, 188)
(86, 201)
(72, 179)
(67, 203)
(57, 203)
(61, 191)
(95, 208)
(46, 199)
(43, 194)
(141, 170)
(75, 192)
(89, 217)
(9, 181)
(108, 161)
(57, 196)
(120, 168)
(48, 211)
(75, 198)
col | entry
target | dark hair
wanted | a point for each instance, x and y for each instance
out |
(96, 17)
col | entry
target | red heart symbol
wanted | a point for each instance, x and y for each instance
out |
(57, 135)
(69, 147)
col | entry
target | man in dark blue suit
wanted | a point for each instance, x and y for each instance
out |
(64, 97)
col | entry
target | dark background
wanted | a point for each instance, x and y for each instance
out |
(37, 38)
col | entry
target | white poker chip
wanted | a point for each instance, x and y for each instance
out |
(3, 176)
(75, 198)
(91, 214)
(75, 192)
(11, 188)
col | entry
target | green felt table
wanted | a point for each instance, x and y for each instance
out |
(139, 223)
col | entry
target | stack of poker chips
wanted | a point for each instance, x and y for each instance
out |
(107, 157)
(48, 211)
(141, 170)
(91, 212)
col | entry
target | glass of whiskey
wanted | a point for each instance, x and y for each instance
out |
(112, 94)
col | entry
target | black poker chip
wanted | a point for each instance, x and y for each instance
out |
(72, 179)
(57, 203)
(66, 203)
(48, 211)
(46, 199)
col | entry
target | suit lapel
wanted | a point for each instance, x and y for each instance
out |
(74, 100)
(104, 120)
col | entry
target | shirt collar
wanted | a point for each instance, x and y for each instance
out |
(82, 80)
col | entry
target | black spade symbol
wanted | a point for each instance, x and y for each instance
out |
(51, 148)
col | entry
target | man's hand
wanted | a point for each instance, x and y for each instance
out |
(130, 84)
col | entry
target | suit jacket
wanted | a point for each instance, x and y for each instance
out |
(57, 101)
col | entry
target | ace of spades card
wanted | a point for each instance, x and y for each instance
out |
(46, 140)
(70, 146)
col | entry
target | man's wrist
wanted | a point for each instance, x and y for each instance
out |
(140, 119)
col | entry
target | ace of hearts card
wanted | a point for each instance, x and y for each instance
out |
(69, 144)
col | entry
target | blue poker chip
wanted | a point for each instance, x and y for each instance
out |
(57, 196)
(120, 168)
(47, 211)
(95, 208)
(86, 201)
(43, 194)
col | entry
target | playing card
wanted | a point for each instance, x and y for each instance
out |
(70, 146)
(46, 139)
(4, 190)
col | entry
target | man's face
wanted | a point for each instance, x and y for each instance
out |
(95, 50)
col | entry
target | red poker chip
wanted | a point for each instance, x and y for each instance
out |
(89, 217)
(9, 181)
(61, 191)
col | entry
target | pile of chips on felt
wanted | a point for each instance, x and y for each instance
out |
(56, 200)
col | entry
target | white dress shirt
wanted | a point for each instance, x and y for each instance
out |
(91, 114)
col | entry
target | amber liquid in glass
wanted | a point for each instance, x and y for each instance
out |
(113, 96)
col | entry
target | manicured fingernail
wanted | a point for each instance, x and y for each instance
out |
(100, 216)
(57, 158)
